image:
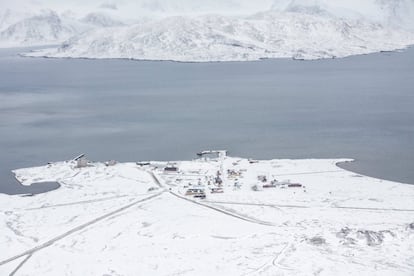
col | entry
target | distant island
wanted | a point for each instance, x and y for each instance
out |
(302, 30)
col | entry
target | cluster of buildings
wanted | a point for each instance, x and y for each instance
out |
(200, 183)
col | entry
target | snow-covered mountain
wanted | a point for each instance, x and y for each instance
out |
(101, 20)
(47, 27)
(44, 28)
(220, 38)
(398, 13)
(176, 30)
(8, 17)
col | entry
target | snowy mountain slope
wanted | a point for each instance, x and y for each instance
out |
(395, 12)
(198, 7)
(9, 17)
(221, 38)
(100, 20)
(47, 27)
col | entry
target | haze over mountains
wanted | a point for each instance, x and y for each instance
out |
(214, 30)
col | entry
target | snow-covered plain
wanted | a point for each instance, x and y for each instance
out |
(131, 219)
(203, 31)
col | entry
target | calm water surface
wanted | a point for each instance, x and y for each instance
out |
(359, 107)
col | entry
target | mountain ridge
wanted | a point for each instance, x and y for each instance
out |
(301, 29)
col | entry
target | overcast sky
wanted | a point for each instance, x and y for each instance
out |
(131, 7)
(378, 10)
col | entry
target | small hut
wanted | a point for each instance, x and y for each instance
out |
(110, 163)
(171, 168)
(82, 162)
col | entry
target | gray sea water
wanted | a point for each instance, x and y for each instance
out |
(359, 107)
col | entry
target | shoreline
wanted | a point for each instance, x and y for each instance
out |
(311, 207)
(393, 166)
(338, 163)
(32, 54)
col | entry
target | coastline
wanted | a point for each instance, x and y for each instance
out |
(35, 54)
(57, 184)
(101, 206)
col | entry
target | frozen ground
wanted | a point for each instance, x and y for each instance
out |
(131, 219)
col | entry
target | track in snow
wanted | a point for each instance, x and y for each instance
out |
(76, 229)
(212, 207)
(20, 265)
(259, 204)
(304, 173)
(224, 211)
(78, 202)
(303, 206)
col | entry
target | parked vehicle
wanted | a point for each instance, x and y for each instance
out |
(194, 191)
(200, 196)
(217, 190)
(294, 185)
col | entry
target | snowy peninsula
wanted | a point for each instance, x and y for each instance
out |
(206, 31)
(214, 215)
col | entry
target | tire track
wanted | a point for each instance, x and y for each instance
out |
(77, 229)
(212, 207)
(20, 265)
(304, 207)
(77, 202)
(260, 204)
(304, 173)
